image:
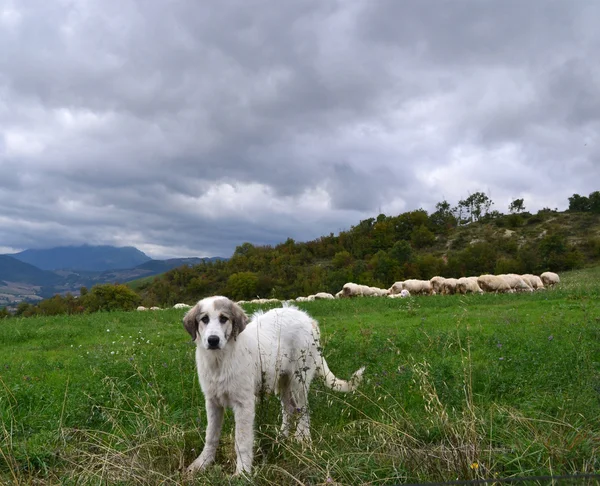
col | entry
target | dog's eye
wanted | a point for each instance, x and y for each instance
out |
(223, 319)
(205, 319)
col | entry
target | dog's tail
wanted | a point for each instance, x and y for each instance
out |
(330, 379)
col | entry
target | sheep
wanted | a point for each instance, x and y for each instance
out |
(402, 295)
(493, 283)
(516, 283)
(154, 308)
(181, 306)
(141, 308)
(377, 292)
(324, 295)
(396, 288)
(351, 289)
(550, 279)
(416, 287)
(534, 281)
(449, 286)
(339, 295)
(466, 285)
(301, 299)
(436, 283)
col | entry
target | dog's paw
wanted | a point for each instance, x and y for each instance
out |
(199, 464)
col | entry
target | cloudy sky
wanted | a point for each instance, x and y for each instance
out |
(186, 128)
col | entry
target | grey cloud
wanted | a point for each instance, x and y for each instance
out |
(117, 117)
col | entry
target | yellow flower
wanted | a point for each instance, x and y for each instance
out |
(475, 466)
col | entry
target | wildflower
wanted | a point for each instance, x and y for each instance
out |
(474, 466)
(112, 352)
(108, 330)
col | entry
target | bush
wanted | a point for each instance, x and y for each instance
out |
(110, 298)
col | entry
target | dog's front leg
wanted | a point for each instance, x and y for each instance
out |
(214, 417)
(244, 435)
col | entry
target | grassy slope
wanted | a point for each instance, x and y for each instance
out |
(457, 387)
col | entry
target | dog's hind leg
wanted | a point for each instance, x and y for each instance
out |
(300, 394)
(288, 404)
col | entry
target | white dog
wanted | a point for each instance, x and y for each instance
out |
(278, 351)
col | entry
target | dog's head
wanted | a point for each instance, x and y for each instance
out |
(215, 320)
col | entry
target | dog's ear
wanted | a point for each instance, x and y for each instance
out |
(190, 321)
(239, 319)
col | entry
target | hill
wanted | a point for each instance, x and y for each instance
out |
(85, 257)
(23, 281)
(379, 251)
(14, 270)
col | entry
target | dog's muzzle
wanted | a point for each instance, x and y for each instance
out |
(213, 342)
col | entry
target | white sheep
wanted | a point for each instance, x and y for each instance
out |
(468, 285)
(324, 295)
(154, 308)
(141, 308)
(181, 305)
(516, 282)
(377, 292)
(396, 288)
(416, 287)
(436, 283)
(550, 279)
(493, 283)
(534, 281)
(402, 295)
(301, 299)
(351, 289)
(449, 286)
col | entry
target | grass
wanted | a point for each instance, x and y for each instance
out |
(456, 387)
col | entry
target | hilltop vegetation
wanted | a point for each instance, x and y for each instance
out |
(379, 251)
(468, 239)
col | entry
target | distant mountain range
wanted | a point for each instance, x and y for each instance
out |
(86, 257)
(39, 274)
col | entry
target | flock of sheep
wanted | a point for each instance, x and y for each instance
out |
(506, 283)
(465, 285)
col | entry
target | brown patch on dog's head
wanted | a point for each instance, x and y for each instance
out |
(238, 317)
(190, 320)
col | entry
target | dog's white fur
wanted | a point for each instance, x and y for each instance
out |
(277, 351)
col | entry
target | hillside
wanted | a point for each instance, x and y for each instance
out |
(22, 281)
(379, 251)
(14, 270)
(85, 257)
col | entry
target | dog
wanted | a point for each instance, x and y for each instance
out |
(277, 352)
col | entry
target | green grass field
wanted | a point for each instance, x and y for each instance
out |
(456, 387)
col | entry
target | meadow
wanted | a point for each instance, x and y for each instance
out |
(456, 387)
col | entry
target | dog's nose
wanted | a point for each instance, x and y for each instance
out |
(213, 342)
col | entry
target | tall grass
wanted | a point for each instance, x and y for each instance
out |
(456, 388)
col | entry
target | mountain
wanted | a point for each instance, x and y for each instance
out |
(71, 268)
(85, 257)
(13, 270)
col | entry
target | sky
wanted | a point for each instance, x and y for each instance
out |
(187, 128)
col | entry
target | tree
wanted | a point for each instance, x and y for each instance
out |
(579, 203)
(401, 252)
(594, 199)
(443, 219)
(422, 237)
(516, 206)
(475, 206)
(242, 285)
